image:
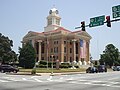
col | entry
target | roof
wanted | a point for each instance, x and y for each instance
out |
(57, 30)
(60, 30)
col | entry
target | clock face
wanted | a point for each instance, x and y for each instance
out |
(50, 12)
(56, 11)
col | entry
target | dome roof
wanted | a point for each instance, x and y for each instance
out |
(53, 10)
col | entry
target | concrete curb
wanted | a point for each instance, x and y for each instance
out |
(45, 74)
(23, 74)
(49, 74)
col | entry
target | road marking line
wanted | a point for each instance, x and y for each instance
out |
(50, 78)
(37, 80)
(33, 77)
(24, 79)
(9, 79)
(90, 83)
(61, 78)
(3, 81)
(70, 78)
(113, 78)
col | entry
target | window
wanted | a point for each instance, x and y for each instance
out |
(64, 42)
(65, 59)
(76, 58)
(42, 47)
(64, 49)
(49, 21)
(70, 50)
(42, 58)
(30, 41)
(70, 59)
(55, 42)
(56, 57)
(37, 47)
(51, 50)
(76, 48)
(57, 21)
(55, 49)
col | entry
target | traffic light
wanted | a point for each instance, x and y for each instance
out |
(108, 21)
(83, 25)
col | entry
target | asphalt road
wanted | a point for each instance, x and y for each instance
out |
(97, 81)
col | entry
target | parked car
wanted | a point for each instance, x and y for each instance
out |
(91, 70)
(116, 68)
(8, 68)
(102, 68)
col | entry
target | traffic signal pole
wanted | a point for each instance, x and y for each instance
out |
(113, 20)
(104, 22)
(81, 27)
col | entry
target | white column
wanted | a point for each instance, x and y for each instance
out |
(85, 63)
(33, 42)
(80, 63)
(47, 49)
(74, 46)
(39, 55)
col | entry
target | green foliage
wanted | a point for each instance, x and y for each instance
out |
(27, 56)
(43, 64)
(7, 55)
(65, 65)
(33, 71)
(110, 56)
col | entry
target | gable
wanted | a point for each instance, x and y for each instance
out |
(32, 34)
(84, 34)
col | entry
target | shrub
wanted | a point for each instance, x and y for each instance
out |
(43, 62)
(33, 71)
(65, 63)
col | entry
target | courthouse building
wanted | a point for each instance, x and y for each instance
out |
(63, 44)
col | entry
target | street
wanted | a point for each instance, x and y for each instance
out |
(97, 81)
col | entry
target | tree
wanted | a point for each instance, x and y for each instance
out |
(7, 55)
(27, 56)
(110, 56)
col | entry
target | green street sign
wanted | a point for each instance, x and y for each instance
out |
(97, 21)
(116, 11)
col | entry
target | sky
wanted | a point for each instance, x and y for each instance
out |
(17, 17)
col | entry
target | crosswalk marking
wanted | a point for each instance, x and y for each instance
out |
(37, 80)
(100, 83)
(3, 81)
(50, 78)
(24, 79)
(69, 79)
(33, 77)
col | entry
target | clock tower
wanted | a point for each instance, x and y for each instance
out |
(53, 20)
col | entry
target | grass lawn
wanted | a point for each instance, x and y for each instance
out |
(49, 70)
